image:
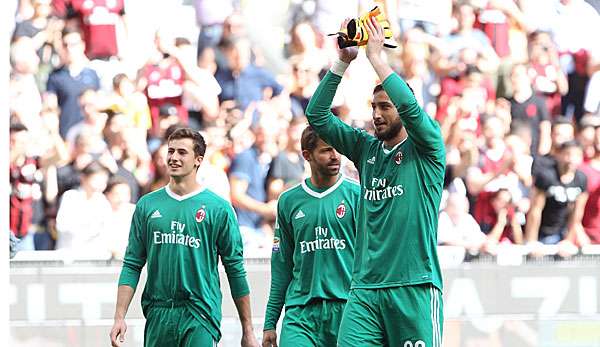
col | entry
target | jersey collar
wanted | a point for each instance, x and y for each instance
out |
(388, 151)
(325, 193)
(182, 197)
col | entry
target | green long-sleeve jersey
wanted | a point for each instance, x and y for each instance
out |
(180, 239)
(401, 188)
(313, 248)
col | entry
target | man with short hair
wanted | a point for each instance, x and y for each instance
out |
(180, 232)
(313, 250)
(395, 296)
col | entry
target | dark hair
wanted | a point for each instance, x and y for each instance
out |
(309, 139)
(378, 88)
(171, 129)
(115, 181)
(168, 109)
(181, 41)
(189, 133)
(118, 79)
(561, 120)
(569, 144)
(70, 30)
(93, 168)
(17, 127)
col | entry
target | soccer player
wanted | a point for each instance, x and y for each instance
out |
(395, 297)
(313, 250)
(179, 231)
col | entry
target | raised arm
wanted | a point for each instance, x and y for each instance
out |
(331, 129)
(421, 128)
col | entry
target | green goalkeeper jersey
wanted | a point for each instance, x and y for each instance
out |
(313, 248)
(401, 188)
(180, 239)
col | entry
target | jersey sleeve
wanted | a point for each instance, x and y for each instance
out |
(135, 254)
(422, 129)
(344, 138)
(230, 248)
(281, 268)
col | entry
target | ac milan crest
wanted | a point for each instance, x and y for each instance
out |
(398, 157)
(340, 211)
(200, 215)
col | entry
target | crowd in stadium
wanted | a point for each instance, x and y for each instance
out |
(514, 85)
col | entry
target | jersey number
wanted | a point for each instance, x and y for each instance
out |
(409, 343)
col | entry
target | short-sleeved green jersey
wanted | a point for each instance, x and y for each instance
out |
(401, 188)
(313, 248)
(180, 238)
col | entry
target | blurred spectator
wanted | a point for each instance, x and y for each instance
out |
(210, 16)
(592, 94)
(212, 173)
(570, 26)
(167, 116)
(158, 169)
(133, 104)
(549, 81)
(494, 171)
(247, 176)
(586, 136)
(591, 169)
(36, 26)
(287, 168)
(93, 118)
(103, 26)
(561, 131)
(558, 199)
(466, 36)
(241, 80)
(88, 147)
(129, 152)
(200, 90)
(24, 95)
(416, 73)
(303, 83)
(529, 109)
(304, 46)
(433, 16)
(116, 234)
(503, 223)
(28, 179)
(456, 227)
(162, 78)
(67, 83)
(83, 213)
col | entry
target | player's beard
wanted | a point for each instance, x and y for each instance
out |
(392, 131)
(326, 171)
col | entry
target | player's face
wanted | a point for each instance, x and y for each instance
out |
(324, 159)
(385, 117)
(181, 160)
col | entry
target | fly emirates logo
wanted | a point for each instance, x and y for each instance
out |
(382, 191)
(322, 241)
(176, 236)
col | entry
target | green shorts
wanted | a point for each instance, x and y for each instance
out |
(407, 316)
(315, 324)
(176, 327)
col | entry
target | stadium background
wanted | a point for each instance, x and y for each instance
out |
(62, 298)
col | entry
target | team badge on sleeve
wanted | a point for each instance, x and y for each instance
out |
(398, 158)
(340, 211)
(275, 244)
(200, 215)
